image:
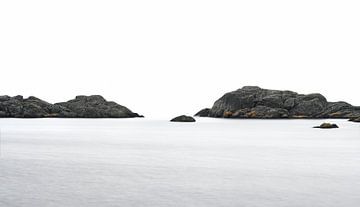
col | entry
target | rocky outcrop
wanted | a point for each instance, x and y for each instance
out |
(203, 113)
(327, 126)
(255, 102)
(96, 107)
(183, 118)
(355, 119)
(80, 107)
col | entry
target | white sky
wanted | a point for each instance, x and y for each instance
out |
(166, 58)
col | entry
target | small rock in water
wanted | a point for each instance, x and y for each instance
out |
(183, 118)
(327, 126)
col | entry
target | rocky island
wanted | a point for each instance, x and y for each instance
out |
(94, 106)
(255, 102)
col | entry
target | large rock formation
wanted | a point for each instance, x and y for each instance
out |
(80, 107)
(255, 102)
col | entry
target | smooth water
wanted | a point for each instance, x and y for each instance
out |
(155, 163)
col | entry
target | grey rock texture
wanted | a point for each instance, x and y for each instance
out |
(183, 118)
(255, 102)
(80, 107)
(355, 119)
(203, 112)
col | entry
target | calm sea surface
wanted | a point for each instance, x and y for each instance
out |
(155, 163)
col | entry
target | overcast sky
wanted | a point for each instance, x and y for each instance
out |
(166, 58)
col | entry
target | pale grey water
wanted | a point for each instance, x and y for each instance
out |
(213, 162)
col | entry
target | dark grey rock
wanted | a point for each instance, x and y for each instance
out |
(272, 101)
(2, 114)
(289, 103)
(340, 110)
(309, 105)
(4, 98)
(203, 112)
(80, 107)
(260, 111)
(255, 102)
(183, 118)
(327, 126)
(96, 107)
(355, 119)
